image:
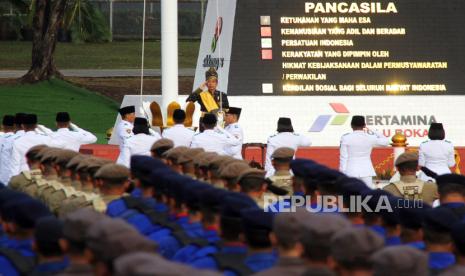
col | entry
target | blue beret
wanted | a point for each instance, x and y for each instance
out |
(450, 178)
(412, 217)
(7, 195)
(256, 219)
(352, 186)
(159, 178)
(192, 193)
(25, 212)
(300, 167)
(440, 219)
(234, 203)
(48, 230)
(213, 198)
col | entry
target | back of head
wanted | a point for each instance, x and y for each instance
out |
(48, 232)
(111, 238)
(319, 229)
(179, 116)
(449, 184)
(400, 260)
(19, 118)
(113, 175)
(140, 126)
(24, 212)
(358, 121)
(251, 180)
(8, 122)
(352, 247)
(209, 120)
(284, 125)
(436, 132)
(257, 226)
(160, 147)
(63, 118)
(30, 122)
(437, 225)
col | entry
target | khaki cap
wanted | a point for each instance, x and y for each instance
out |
(283, 153)
(400, 260)
(76, 224)
(112, 171)
(175, 153)
(252, 173)
(189, 155)
(162, 143)
(204, 159)
(74, 162)
(353, 244)
(110, 238)
(233, 169)
(406, 157)
(218, 161)
(65, 156)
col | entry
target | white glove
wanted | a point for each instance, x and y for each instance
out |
(73, 127)
(44, 130)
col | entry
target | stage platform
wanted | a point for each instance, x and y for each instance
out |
(382, 157)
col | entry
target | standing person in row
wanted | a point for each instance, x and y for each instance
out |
(139, 144)
(233, 127)
(22, 144)
(8, 125)
(70, 136)
(214, 139)
(436, 154)
(179, 134)
(355, 151)
(124, 128)
(286, 137)
(7, 148)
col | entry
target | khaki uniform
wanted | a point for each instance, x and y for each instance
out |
(100, 203)
(283, 180)
(24, 179)
(74, 202)
(410, 187)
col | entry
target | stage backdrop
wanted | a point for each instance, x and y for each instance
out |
(399, 63)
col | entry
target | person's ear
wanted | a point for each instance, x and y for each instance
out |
(273, 239)
(64, 245)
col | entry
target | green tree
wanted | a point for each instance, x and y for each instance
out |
(85, 22)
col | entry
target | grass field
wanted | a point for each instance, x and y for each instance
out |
(16, 55)
(88, 110)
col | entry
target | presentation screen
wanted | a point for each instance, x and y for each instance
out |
(348, 48)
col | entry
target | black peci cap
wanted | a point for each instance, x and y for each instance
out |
(358, 121)
(209, 119)
(234, 110)
(19, 117)
(179, 115)
(8, 120)
(63, 117)
(127, 110)
(30, 119)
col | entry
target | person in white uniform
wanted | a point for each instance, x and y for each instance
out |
(232, 126)
(7, 148)
(436, 154)
(179, 134)
(214, 139)
(286, 137)
(22, 144)
(139, 144)
(8, 124)
(124, 128)
(355, 151)
(70, 136)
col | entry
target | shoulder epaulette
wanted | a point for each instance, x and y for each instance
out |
(99, 205)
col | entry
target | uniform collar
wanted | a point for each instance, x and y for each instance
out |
(63, 129)
(19, 132)
(408, 178)
(283, 173)
(441, 260)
